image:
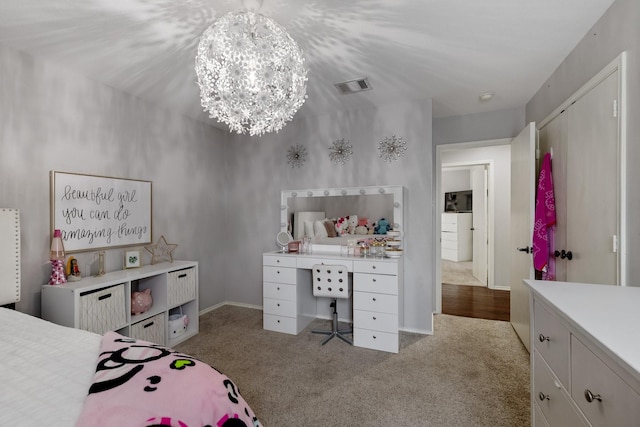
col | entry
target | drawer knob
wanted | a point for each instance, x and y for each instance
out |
(278, 304)
(374, 299)
(542, 338)
(591, 397)
(374, 318)
(543, 396)
(374, 267)
(374, 280)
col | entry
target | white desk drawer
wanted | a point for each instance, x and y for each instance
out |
(619, 405)
(279, 291)
(381, 303)
(551, 397)
(376, 283)
(376, 321)
(282, 324)
(375, 340)
(279, 260)
(307, 263)
(377, 267)
(279, 274)
(450, 227)
(279, 307)
(551, 339)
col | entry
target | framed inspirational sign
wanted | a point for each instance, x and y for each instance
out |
(98, 212)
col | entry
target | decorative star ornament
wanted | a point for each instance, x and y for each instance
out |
(161, 251)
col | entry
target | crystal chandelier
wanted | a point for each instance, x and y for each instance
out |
(251, 73)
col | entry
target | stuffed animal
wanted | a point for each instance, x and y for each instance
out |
(352, 223)
(141, 301)
(383, 226)
(362, 227)
(342, 225)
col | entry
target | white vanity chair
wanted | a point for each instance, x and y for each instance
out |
(332, 281)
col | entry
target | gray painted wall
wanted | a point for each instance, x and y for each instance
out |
(615, 32)
(479, 126)
(260, 172)
(53, 119)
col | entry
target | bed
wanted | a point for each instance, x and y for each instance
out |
(58, 376)
(63, 377)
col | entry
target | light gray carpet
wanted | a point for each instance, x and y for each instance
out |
(471, 372)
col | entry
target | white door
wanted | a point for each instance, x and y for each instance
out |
(522, 214)
(584, 143)
(479, 210)
(592, 186)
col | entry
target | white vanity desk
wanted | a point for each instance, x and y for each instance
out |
(585, 354)
(289, 305)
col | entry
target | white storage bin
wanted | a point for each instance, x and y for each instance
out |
(151, 329)
(181, 286)
(103, 310)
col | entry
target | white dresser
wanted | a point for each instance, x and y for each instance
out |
(289, 305)
(457, 236)
(585, 357)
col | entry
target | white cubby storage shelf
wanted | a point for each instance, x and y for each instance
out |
(103, 303)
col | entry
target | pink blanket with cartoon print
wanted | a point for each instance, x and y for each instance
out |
(138, 383)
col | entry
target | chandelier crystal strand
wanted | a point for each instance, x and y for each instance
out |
(391, 149)
(251, 73)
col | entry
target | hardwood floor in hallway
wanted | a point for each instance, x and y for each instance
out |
(475, 301)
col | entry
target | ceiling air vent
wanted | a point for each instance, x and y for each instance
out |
(353, 86)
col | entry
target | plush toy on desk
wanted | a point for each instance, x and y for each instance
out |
(352, 223)
(141, 301)
(362, 227)
(342, 226)
(383, 226)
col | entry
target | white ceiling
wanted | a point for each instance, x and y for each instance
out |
(446, 50)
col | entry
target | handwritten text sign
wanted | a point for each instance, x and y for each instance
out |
(95, 212)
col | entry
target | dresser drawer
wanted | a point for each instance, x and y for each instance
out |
(551, 397)
(381, 303)
(279, 291)
(450, 244)
(279, 274)
(152, 329)
(375, 283)
(279, 261)
(377, 267)
(619, 405)
(282, 324)
(375, 340)
(450, 254)
(279, 307)
(551, 339)
(103, 310)
(449, 236)
(449, 227)
(376, 321)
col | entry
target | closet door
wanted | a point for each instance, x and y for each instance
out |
(584, 142)
(592, 186)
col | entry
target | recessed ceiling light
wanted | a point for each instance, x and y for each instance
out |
(486, 96)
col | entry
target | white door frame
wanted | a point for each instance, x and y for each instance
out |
(438, 205)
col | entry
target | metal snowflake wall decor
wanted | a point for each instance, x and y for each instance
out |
(391, 149)
(296, 156)
(340, 151)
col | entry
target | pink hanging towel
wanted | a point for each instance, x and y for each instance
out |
(545, 220)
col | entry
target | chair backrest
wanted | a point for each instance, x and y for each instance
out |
(330, 281)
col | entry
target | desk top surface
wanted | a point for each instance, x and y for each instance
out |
(334, 256)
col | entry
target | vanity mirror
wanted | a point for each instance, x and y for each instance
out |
(312, 205)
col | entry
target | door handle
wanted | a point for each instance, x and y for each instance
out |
(564, 254)
(525, 249)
